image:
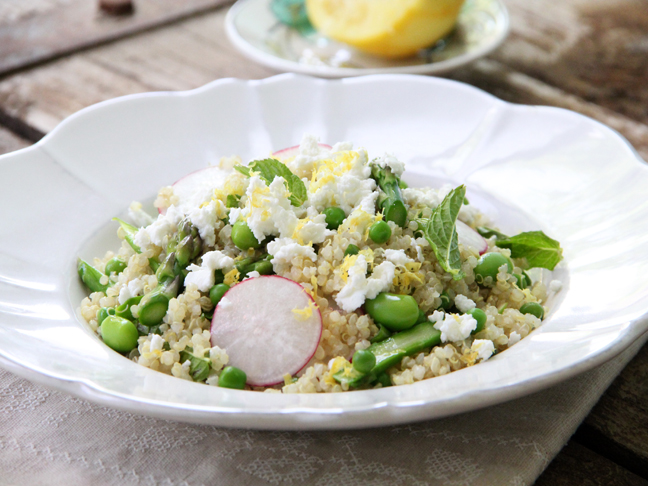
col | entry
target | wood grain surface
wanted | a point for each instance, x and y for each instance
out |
(590, 56)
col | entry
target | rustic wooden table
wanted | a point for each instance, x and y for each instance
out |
(590, 56)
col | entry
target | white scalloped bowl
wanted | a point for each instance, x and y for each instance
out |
(528, 167)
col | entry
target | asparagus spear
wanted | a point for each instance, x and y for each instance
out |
(390, 200)
(129, 235)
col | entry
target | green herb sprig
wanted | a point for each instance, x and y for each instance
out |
(268, 169)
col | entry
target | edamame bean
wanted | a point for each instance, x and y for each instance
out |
(232, 377)
(115, 265)
(120, 334)
(264, 267)
(334, 217)
(243, 237)
(533, 308)
(351, 250)
(488, 267)
(480, 316)
(217, 291)
(422, 317)
(380, 232)
(364, 360)
(395, 312)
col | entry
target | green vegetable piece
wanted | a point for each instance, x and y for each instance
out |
(334, 217)
(129, 234)
(351, 250)
(441, 232)
(232, 377)
(243, 237)
(199, 366)
(380, 232)
(480, 316)
(533, 308)
(363, 360)
(115, 265)
(390, 200)
(402, 184)
(232, 201)
(154, 305)
(539, 250)
(395, 312)
(384, 379)
(264, 267)
(446, 303)
(103, 313)
(523, 280)
(488, 267)
(91, 277)
(219, 277)
(124, 310)
(488, 232)
(421, 317)
(268, 169)
(217, 291)
(383, 333)
(119, 334)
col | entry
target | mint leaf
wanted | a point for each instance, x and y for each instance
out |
(441, 232)
(539, 250)
(268, 169)
(488, 232)
(200, 367)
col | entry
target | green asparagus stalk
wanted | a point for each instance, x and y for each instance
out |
(129, 235)
(390, 200)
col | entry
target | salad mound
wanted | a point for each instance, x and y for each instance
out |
(316, 269)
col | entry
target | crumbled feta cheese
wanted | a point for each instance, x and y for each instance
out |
(464, 304)
(388, 160)
(423, 198)
(156, 343)
(284, 250)
(312, 229)
(206, 218)
(555, 285)
(267, 210)
(456, 327)
(203, 276)
(224, 303)
(436, 316)
(397, 257)
(483, 347)
(309, 153)
(514, 338)
(139, 217)
(157, 233)
(134, 288)
(358, 287)
(252, 274)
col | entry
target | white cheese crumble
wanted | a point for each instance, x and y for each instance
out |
(134, 288)
(436, 316)
(309, 153)
(252, 274)
(397, 257)
(514, 338)
(389, 160)
(284, 250)
(483, 347)
(464, 304)
(224, 303)
(358, 287)
(206, 219)
(456, 327)
(157, 233)
(203, 276)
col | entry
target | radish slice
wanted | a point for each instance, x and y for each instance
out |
(198, 187)
(469, 237)
(294, 151)
(269, 326)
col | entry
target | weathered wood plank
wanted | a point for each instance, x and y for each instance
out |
(30, 36)
(596, 50)
(577, 465)
(10, 142)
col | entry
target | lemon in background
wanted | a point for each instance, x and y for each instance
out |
(388, 28)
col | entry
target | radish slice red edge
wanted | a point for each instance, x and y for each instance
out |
(199, 181)
(293, 151)
(269, 326)
(469, 237)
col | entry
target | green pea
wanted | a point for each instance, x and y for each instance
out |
(384, 379)
(446, 303)
(364, 360)
(488, 267)
(422, 317)
(243, 237)
(334, 217)
(533, 308)
(115, 265)
(480, 316)
(523, 281)
(120, 334)
(264, 267)
(232, 377)
(103, 313)
(351, 250)
(383, 333)
(217, 291)
(380, 232)
(395, 312)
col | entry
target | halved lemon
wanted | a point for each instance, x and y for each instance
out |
(389, 28)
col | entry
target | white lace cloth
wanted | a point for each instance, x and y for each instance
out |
(49, 438)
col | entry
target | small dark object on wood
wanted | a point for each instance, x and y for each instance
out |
(117, 7)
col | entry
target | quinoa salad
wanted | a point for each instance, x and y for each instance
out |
(316, 269)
